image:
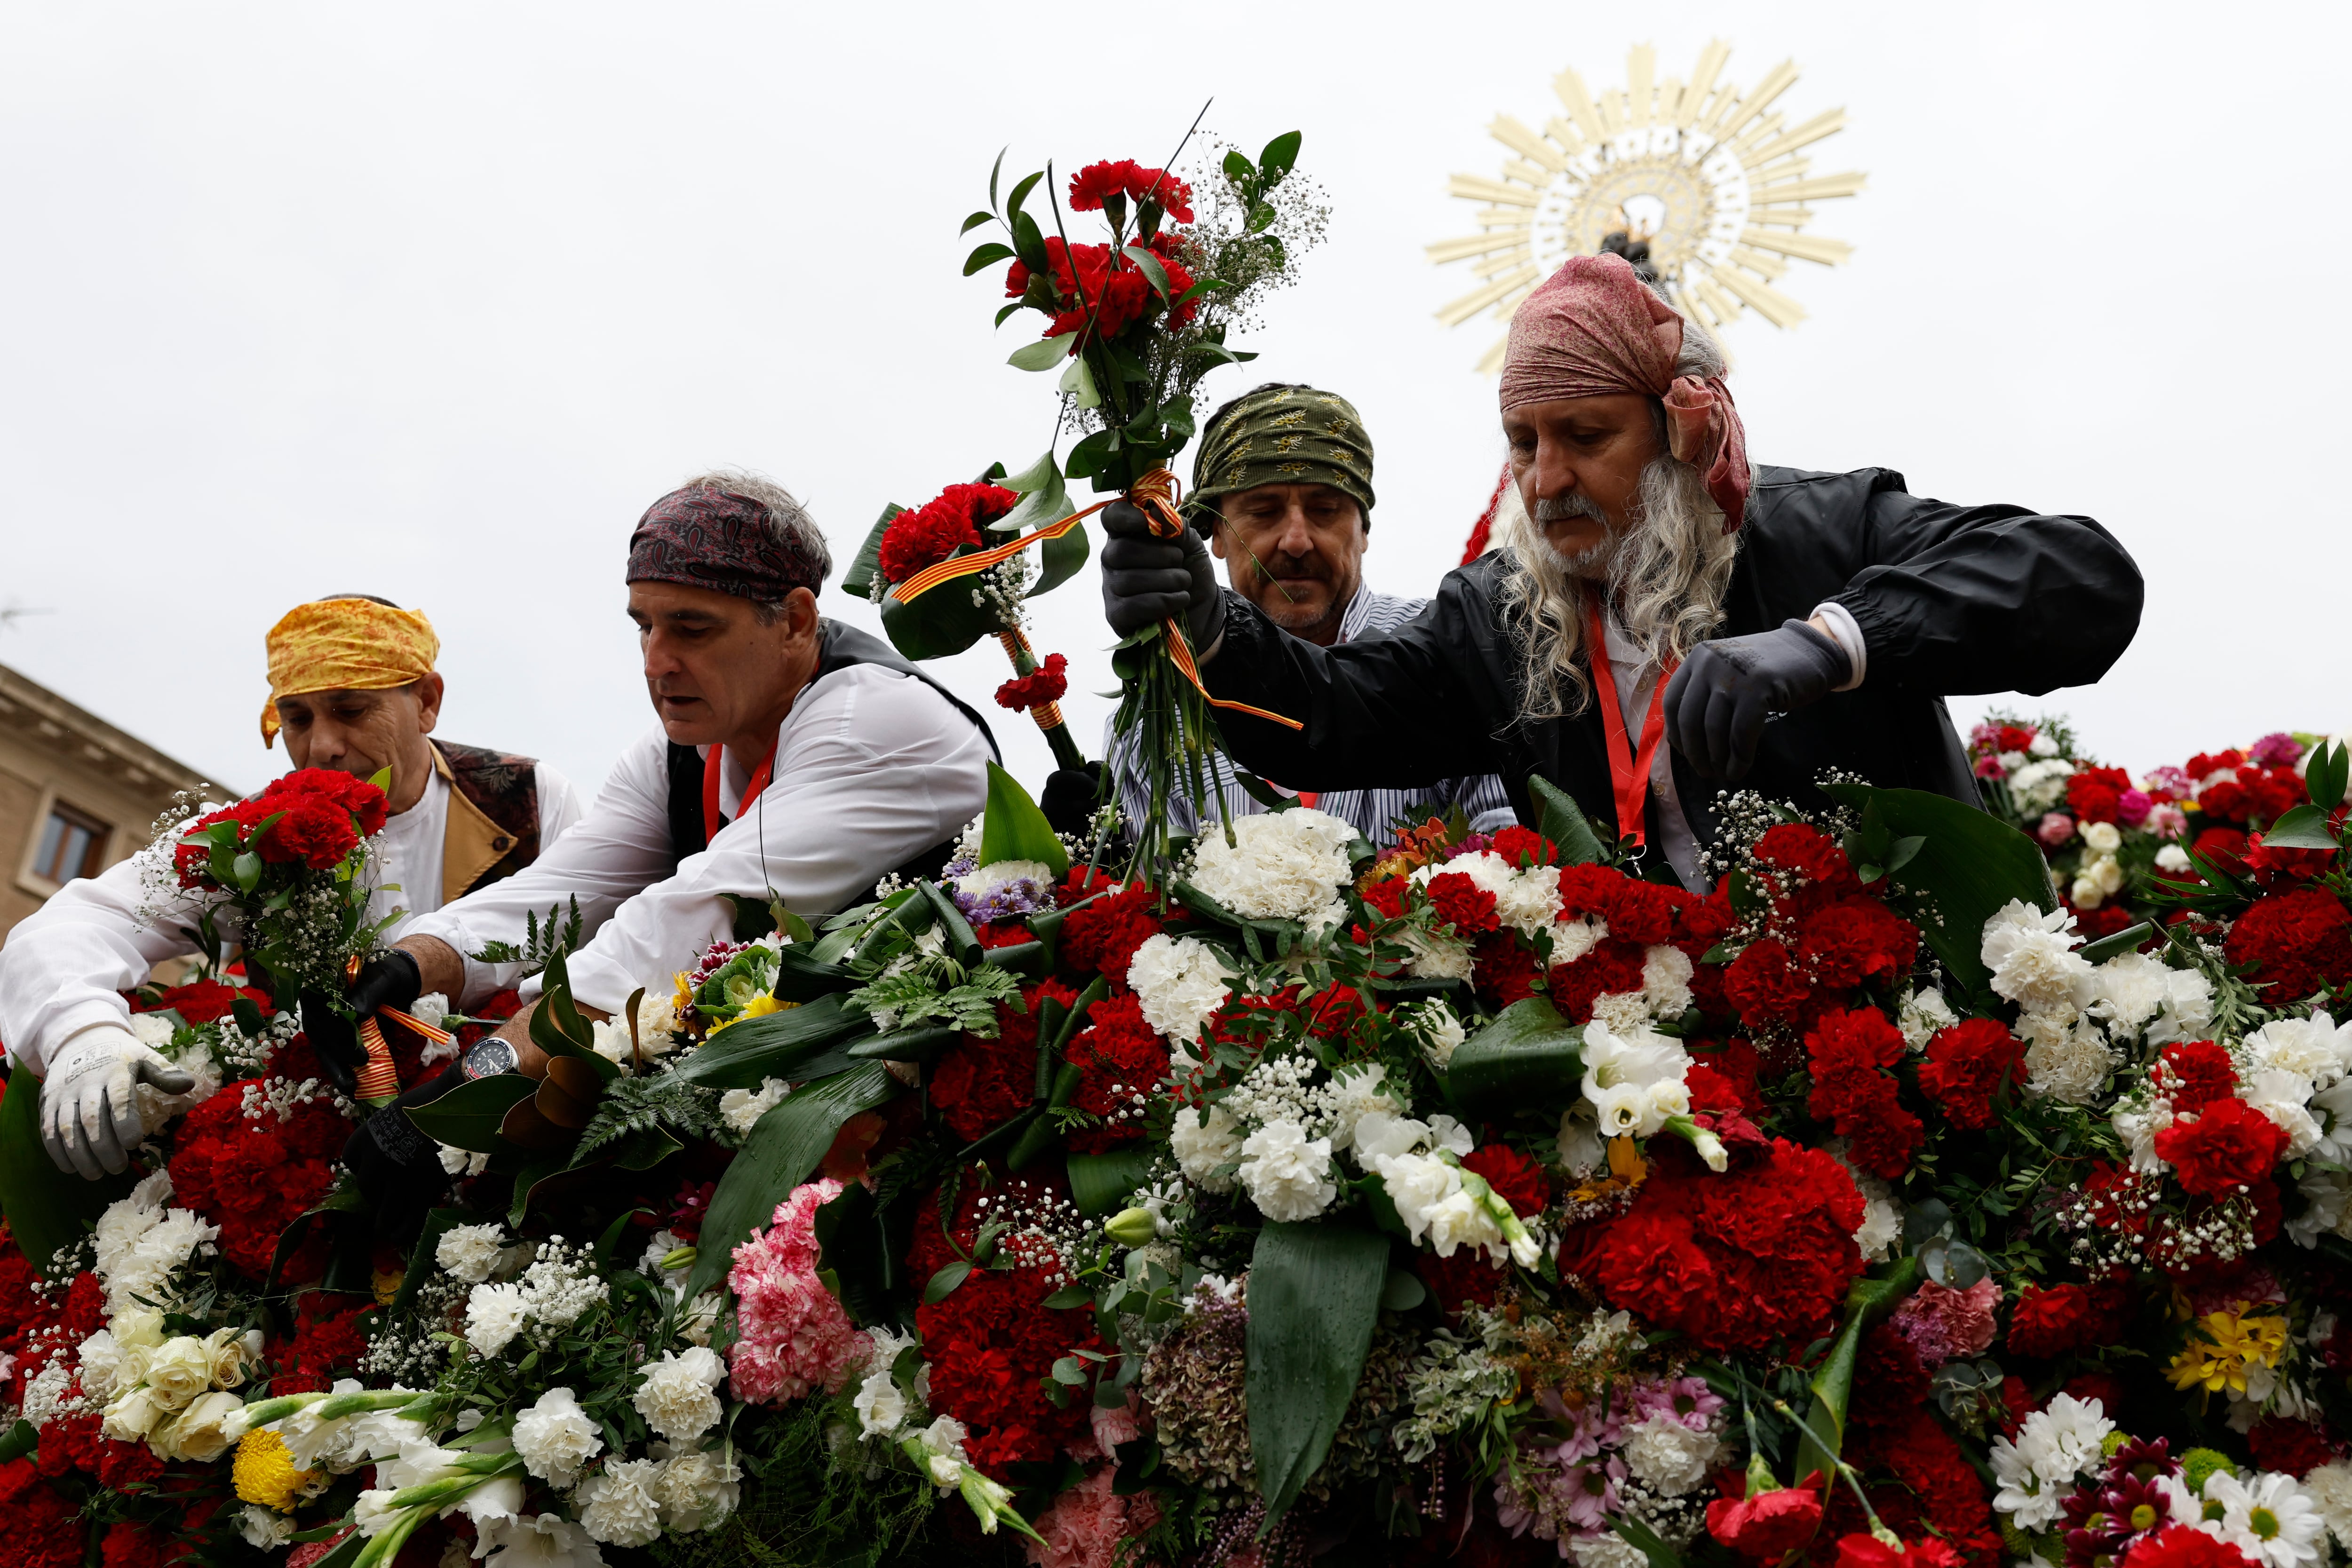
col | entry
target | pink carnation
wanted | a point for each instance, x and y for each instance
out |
(1944, 1324)
(1086, 1524)
(794, 1337)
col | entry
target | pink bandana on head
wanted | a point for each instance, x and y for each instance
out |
(1593, 329)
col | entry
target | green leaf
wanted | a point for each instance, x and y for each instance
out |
(1044, 354)
(1564, 822)
(1968, 867)
(962, 945)
(977, 219)
(993, 171)
(1238, 170)
(924, 1044)
(943, 1284)
(2123, 941)
(1315, 1295)
(1261, 217)
(469, 1116)
(1904, 852)
(981, 255)
(1014, 828)
(1078, 383)
(1005, 314)
(1866, 1301)
(1021, 192)
(1404, 1291)
(530, 1179)
(2300, 828)
(1148, 264)
(1281, 155)
(1101, 1183)
(2326, 774)
(773, 1045)
(1092, 456)
(46, 1208)
(21, 1439)
(1529, 1055)
(785, 1146)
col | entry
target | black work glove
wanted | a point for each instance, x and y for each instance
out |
(390, 979)
(397, 1167)
(1146, 578)
(1717, 703)
(1070, 797)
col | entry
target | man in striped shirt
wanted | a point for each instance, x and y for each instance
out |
(1281, 489)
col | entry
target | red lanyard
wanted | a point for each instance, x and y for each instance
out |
(711, 767)
(1629, 769)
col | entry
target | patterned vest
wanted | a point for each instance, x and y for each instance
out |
(493, 830)
(842, 646)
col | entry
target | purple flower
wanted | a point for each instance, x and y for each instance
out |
(2131, 808)
(2279, 750)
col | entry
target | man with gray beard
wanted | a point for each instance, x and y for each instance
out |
(1770, 626)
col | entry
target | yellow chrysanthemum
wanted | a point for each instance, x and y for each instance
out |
(2223, 1346)
(756, 1008)
(265, 1472)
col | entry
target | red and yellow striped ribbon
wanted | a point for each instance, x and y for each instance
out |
(379, 1080)
(1156, 494)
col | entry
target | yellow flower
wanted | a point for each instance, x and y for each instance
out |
(386, 1284)
(2223, 1346)
(757, 1006)
(265, 1472)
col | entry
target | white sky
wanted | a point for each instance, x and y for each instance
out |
(431, 300)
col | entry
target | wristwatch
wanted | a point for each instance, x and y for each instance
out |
(489, 1057)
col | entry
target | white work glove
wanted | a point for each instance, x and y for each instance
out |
(90, 1099)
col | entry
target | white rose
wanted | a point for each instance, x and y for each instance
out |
(2173, 860)
(675, 1393)
(265, 1528)
(181, 1369)
(230, 1350)
(555, 1438)
(2102, 838)
(131, 1417)
(1287, 1175)
(200, 1432)
(101, 1358)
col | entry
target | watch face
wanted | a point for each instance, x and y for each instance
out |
(487, 1058)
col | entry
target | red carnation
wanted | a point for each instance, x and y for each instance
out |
(1505, 971)
(2295, 1446)
(2226, 1145)
(1042, 686)
(2196, 1073)
(1517, 846)
(2297, 942)
(1122, 1059)
(1804, 861)
(1092, 183)
(2183, 1546)
(1869, 1552)
(253, 1176)
(1854, 940)
(1766, 985)
(2051, 1320)
(984, 1081)
(204, 1001)
(1612, 966)
(1462, 903)
(2093, 793)
(1517, 1179)
(1768, 1525)
(940, 527)
(1968, 1064)
(1469, 1277)
(1848, 1051)
(1102, 936)
(1386, 895)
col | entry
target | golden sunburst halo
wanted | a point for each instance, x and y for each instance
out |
(1712, 177)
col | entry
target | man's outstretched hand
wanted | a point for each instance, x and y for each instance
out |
(1146, 580)
(390, 979)
(1717, 702)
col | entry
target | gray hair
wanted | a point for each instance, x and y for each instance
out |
(787, 520)
(1667, 575)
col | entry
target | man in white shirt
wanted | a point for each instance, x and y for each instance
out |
(797, 761)
(354, 687)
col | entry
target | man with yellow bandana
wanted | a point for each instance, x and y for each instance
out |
(352, 688)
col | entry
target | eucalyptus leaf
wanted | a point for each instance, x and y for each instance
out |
(1044, 354)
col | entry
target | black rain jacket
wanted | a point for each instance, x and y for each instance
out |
(1950, 600)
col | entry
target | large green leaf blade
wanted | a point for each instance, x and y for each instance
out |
(784, 1148)
(941, 623)
(469, 1116)
(1563, 821)
(1016, 830)
(1968, 867)
(1866, 1301)
(774, 1045)
(1100, 1183)
(858, 580)
(1313, 1296)
(46, 1208)
(1529, 1055)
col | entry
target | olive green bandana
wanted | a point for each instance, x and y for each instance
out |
(1283, 436)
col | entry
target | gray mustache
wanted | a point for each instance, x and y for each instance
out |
(1575, 504)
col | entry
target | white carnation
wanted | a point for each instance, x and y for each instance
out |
(1525, 900)
(1434, 956)
(2032, 957)
(1572, 939)
(2313, 1048)
(617, 1505)
(2329, 1487)
(1282, 865)
(1665, 980)
(2127, 991)
(1922, 1016)
(1177, 982)
(696, 1491)
(494, 1315)
(1620, 1012)
(2066, 1062)
(1201, 1148)
(2282, 1097)
(741, 1109)
(1286, 1174)
(1664, 1454)
(555, 1438)
(470, 1252)
(675, 1393)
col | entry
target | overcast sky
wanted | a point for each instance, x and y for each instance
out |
(431, 300)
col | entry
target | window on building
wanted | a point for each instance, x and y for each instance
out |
(72, 845)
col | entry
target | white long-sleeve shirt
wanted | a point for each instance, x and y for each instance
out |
(872, 768)
(63, 967)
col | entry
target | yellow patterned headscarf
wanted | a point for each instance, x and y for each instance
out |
(345, 644)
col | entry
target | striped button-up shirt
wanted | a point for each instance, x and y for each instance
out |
(1374, 813)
